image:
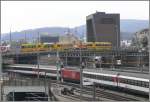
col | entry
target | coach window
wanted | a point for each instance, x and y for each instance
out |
(87, 75)
(110, 79)
(95, 76)
(127, 81)
(143, 84)
(104, 77)
(139, 83)
(147, 84)
(130, 82)
(92, 76)
(122, 80)
(136, 82)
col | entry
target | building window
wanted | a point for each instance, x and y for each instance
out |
(107, 21)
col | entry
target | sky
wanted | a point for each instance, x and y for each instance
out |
(22, 15)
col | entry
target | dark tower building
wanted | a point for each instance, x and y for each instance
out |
(102, 27)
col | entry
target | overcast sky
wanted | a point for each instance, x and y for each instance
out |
(35, 14)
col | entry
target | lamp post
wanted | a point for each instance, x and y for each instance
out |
(82, 66)
(45, 82)
(58, 65)
(117, 35)
(113, 62)
(140, 60)
(94, 92)
(0, 57)
(38, 56)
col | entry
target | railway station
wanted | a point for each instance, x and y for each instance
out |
(95, 64)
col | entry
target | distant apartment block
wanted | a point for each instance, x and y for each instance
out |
(68, 39)
(49, 39)
(102, 27)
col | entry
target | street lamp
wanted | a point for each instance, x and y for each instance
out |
(38, 56)
(0, 57)
(113, 62)
(81, 78)
(140, 60)
(58, 65)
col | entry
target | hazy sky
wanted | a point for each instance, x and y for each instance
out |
(34, 14)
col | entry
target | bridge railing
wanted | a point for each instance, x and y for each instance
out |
(21, 81)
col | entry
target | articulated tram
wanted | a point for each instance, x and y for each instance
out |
(61, 47)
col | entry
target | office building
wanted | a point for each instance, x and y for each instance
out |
(102, 27)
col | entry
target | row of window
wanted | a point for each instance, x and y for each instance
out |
(121, 80)
(134, 82)
(98, 77)
(34, 46)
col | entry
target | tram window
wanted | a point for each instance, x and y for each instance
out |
(39, 45)
(89, 45)
(22, 47)
(58, 45)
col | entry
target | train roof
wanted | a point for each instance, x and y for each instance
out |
(72, 68)
(33, 66)
(126, 74)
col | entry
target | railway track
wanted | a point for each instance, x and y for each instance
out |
(107, 95)
(103, 93)
(99, 93)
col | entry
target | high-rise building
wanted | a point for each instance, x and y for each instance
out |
(102, 27)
